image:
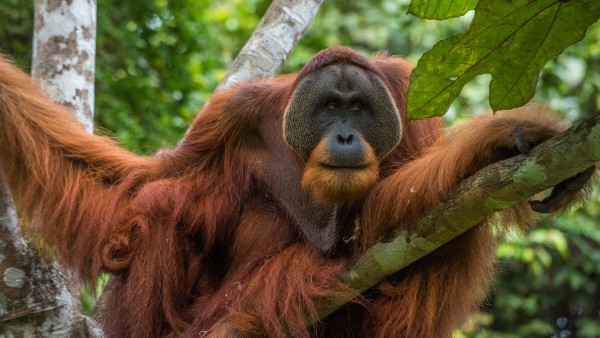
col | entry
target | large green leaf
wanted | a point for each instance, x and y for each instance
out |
(511, 40)
(440, 9)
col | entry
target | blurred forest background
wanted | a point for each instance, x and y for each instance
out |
(159, 61)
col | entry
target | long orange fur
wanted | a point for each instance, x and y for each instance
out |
(194, 252)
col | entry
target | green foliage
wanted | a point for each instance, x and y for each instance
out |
(369, 27)
(91, 294)
(16, 17)
(441, 9)
(550, 281)
(570, 82)
(158, 62)
(511, 40)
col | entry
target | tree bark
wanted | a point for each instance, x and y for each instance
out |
(64, 54)
(39, 297)
(272, 42)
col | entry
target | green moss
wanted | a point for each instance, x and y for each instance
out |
(530, 173)
(594, 136)
(496, 204)
(386, 254)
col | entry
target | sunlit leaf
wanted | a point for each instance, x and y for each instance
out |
(440, 9)
(543, 257)
(528, 255)
(559, 241)
(511, 40)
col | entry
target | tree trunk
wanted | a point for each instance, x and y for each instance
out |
(39, 297)
(64, 54)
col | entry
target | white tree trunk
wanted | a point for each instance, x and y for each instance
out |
(64, 54)
(35, 297)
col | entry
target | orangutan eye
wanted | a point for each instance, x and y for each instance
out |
(268, 197)
(356, 106)
(267, 203)
(331, 106)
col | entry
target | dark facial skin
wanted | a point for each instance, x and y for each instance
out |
(320, 224)
(349, 106)
(341, 120)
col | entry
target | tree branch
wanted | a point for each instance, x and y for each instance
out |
(493, 188)
(275, 37)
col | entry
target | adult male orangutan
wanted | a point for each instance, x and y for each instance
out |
(248, 222)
